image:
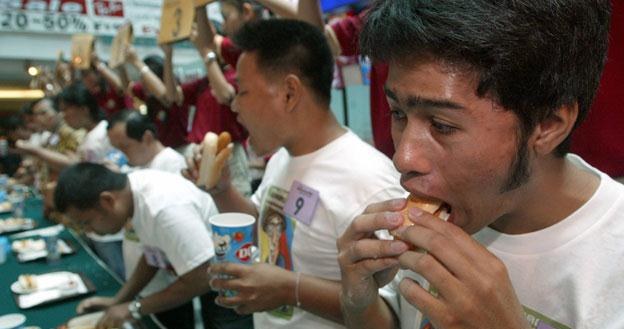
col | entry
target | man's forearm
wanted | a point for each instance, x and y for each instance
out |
(110, 76)
(377, 316)
(310, 11)
(141, 276)
(171, 87)
(282, 8)
(194, 283)
(56, 160)
(231, 200)
(151, 82)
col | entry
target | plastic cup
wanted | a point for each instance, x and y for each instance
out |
(232, 235)
(17, 205)
(12, 321)
(51, 244)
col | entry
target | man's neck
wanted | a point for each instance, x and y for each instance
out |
(154, 148)
(556, 190)
(311, 132)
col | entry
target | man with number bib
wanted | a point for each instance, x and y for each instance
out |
(321, 176)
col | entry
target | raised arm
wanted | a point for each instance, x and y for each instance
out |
(108, 74)
(173, 91)
(151, 82)
(223, 90)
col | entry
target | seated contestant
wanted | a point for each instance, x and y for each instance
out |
(81, 111)
(135, 135)
(484, 95)
(321, 176)
(173, 230)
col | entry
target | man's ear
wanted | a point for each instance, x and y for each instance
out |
(148, 137)
(553, 130)
(107, 200)
(293, 91)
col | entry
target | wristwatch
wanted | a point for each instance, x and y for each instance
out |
(210, 57)
(135, 309)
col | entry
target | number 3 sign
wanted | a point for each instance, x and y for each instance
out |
(176, 20)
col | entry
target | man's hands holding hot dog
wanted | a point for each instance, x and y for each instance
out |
(207, 168)
(474, 289)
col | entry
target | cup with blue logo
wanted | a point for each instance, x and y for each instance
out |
(232, 235)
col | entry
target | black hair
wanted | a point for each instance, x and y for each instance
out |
(77, 94)
(136, 123)
(532, 57)
(289, 46)
(12, 123)
(80, 185)
(155, 64)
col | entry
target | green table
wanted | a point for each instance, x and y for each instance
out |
(83, 261)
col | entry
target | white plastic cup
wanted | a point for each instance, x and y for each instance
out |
(51, 244)
(233, 236)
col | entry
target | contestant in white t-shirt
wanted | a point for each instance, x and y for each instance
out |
(173, 230)
(321, 177)
(484, 96)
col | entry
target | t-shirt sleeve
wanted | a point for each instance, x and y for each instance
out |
(347, 32)
(184, 238)
(229, 51)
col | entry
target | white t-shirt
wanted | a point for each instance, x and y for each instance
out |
(568, 275)
(168, 160)
(171, 220)
(94, 148)
(173, 162)
(349, 175)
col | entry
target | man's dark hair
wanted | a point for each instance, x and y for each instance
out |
(531, 56)
(136, 123)
(77, 94)
(80, 185)
(155, 64)
(289, 46)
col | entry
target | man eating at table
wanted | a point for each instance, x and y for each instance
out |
(169, 215)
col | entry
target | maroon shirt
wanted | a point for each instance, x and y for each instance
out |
(209, 114)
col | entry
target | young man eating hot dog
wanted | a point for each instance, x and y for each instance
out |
(484, 96)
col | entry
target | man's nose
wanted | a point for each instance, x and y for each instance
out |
(414, 146)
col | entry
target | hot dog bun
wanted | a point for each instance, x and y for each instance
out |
(216, 150)
(433, 206)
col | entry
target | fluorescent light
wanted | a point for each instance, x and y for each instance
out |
(21, 93)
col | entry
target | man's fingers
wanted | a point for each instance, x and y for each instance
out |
(371, 248)
(421, 298)
(430, 269)
(365, 225)
(233, 269)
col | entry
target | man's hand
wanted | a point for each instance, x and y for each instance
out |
(367, 263)
(260, 287)
(192, 171)
(198, 42)
(131, 56)
(114, 317)
(93, 304)
(167, 49)
(474, 289)
(25, 147)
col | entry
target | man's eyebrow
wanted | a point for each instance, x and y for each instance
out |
(416, 101)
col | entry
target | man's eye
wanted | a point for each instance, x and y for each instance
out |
(397, 115)
(442, 128)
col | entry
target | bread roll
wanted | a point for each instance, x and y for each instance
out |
(432, 206)
(209, 153)
(216, 152)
